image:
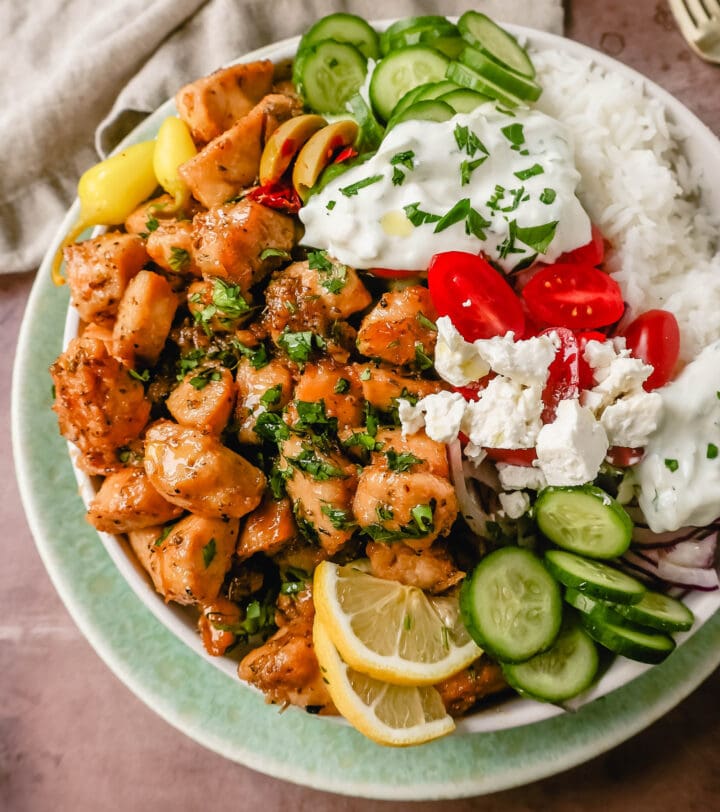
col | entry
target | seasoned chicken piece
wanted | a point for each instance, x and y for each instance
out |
(303, 298)
(100, 407)
(157, 213)
(382, 387)
(172, 247)
(143, 545)
(463, 690)
(230, 240)
(399, 327)
(191, 561)
(127, 501)
(211, 105)
(321, 485)
(432, 569)
(204, 400)
(218, 305)
(197, 472)
(414, 508)
(286, 669)
(300, 555)
(102, 332)
(215, 625)
(98, 271)
(230, 162)
(432, 455)
(254, 384)
(267, 529)
(337, 386)
(144, 319)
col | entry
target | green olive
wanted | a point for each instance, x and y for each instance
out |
(284, 144)
(319, 151)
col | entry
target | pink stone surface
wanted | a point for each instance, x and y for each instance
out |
(72, 737)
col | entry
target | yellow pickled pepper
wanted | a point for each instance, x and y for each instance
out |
(174, 147)
(110, 191)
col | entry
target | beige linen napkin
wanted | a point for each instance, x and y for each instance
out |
(73, 68)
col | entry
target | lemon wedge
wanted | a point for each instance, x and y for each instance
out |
(395, 715)
(390, 631)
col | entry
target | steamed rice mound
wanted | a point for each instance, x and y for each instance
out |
(638, 188)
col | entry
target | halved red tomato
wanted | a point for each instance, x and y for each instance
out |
(574, 296)
(513, 456)
(623, 457)
(654, 337)
(591, 253)
(563, 374)
(478, 299)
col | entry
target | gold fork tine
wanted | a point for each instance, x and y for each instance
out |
(700, 26)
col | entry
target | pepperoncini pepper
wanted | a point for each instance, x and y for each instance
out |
(174, 147)
(109, 192)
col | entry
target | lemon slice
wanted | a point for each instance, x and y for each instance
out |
(395, 715)
(389, 631)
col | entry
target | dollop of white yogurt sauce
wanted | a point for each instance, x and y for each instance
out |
(679, 476)
(516, 171)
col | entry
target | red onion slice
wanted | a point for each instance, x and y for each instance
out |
(471, 507)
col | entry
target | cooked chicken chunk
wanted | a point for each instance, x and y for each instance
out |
(215, 625)
(171, 246)
(267, 529)
(400, 326)
(432, 569)
(197, 472)
(382, 387)
(99, 406)
(254, 384)
(127, 501)
(414, 508)
(463, 690)
(98, 271)
(211, 105)
(337, 386)
(204, 400)
(432, 455)
(230, 240)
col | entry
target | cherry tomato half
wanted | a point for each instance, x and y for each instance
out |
(513, 456)
(574, 296)
(563, 373)
(623, 457)
(391, 273)
(592, 253)
(477, 298)
(654, 337)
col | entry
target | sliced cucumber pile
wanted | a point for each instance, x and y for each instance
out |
(427, 52)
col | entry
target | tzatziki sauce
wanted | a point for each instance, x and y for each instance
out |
(491, 181)
(679, 476)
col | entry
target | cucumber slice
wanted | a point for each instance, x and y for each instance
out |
(584, 520)
(659, 612)
(429, 110)
(401, 71)
(434, 90)
(593, 578)
(415, 33)
(633, 643)
(449, 44)
(467, 77)
(410, 97)
(370, 133)
(482, 33)
(565, 670)
(428, 22)
(343, 27)
(511, 605)
(464, 100)
(503, 77)
(330, 73)
(597, 609)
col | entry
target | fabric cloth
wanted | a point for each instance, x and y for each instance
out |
(78, 75)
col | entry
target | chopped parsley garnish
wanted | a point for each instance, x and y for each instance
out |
(342, 385)
(333, 275)
(537, 237)
(456, 214)
(272, 396)
(423, 516)
(294, 580)
(524, 263)
(330, 205)
(312, 415)
(299, 346)
(425, 322)
(385, 513)
(672, 465)
(524, 174)
(517, 198)
(179, 258)
(318, 261)
(422, 359)
(476, 224)
(165, 533)
(277, 479)
(267, 253)
(548, 196)
(228, 299)
(398, 176)
(401, 461)
(514, 134)
(399, 161)
(366, 374)
(257, 356)
(371, 419)
(340, 519)
(352, 189)
(418, 217)
(202, 379)
(497, 195)
(143, 376)
(270, 426)
(712, 451)
(366, 441)
(468, 167)
(189, 362)
(421, 525)
(468, 142)
(152, 224)
(319, 469)
(208, 552)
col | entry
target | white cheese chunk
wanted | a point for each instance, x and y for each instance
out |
(444, 412)
(571, 449)
(525, 361)
(507, 415)
(412, 417)
(518, 477)
(514, 504)
(457, 361)
(631, 420)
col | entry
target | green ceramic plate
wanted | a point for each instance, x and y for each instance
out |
(224, 715)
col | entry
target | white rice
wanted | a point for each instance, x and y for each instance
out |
(639, 190)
